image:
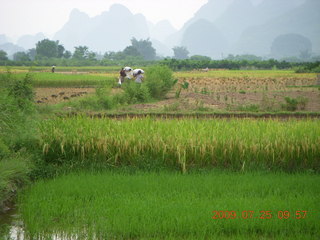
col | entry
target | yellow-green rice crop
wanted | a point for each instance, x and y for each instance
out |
(67, 80)
(237, 144)
(245, 73)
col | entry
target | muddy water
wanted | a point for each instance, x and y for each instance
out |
(11, 228)
(11, 225)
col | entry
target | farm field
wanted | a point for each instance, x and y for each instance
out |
(236, 144)
(149, 177)
(212, 91)
(166, 205)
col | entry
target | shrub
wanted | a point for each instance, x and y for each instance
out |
(135, 92)
(184, 85)
(22, 92)
(159, 80)
(291, 104)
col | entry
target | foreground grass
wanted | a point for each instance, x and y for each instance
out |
(172, 206)
(290, 145)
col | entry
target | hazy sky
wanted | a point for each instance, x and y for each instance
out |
(19, 17)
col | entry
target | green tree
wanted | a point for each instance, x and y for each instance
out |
(81, 53)
(67, 54)
(49, 49)
(144, 47)
(92, 56)
(60, 50)
(200, 58)
(3, 56)
(180, 52)
(32, 53)
(131, 51)
(21, 56)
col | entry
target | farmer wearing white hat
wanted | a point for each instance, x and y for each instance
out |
(138, 75)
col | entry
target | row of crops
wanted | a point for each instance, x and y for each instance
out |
(184, 144)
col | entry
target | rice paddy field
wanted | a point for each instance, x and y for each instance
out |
(212, 91)
(45, 79)
(237, 144)
(164, 205)
(173, 178)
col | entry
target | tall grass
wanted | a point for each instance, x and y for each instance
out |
(171, 206)
(16, 135)
(190, 143)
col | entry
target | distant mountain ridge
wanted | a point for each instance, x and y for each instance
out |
(241, 20)
(218, 28)
(30, 41)
(303, 20)
(110, 31)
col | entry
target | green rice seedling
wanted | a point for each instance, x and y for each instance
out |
(207, 205)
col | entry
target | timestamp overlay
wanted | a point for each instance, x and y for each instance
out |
(262, 214)
(278, 222)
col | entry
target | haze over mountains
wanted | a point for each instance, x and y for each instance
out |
(219, 28)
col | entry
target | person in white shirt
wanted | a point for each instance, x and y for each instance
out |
(138, 75)
(128, 71)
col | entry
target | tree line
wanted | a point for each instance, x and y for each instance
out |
(141, 52)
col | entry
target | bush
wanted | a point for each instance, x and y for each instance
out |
(135, 92)
(291, 104)
(22, 92)
(159, 80)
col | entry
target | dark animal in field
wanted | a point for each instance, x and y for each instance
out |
(61, 93)
(73, 95)
(39, 101)
(54, 96)
(44, 98)
(65, 98)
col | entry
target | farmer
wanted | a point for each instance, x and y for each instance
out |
(125, 72)
(122, 76)
(138, 75)
(128, 71)
(53, 68)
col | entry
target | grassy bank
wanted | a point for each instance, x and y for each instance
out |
(174, 206)
(17, 136)
(238, 144)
